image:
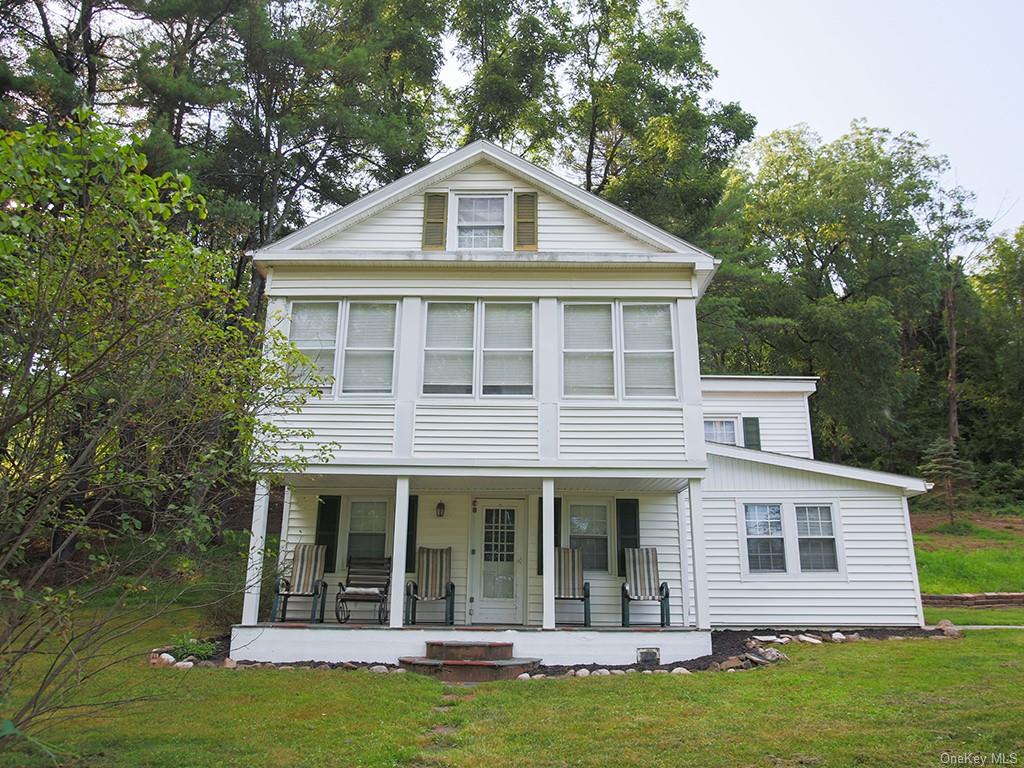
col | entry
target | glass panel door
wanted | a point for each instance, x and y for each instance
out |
(497, 570)
(499, 566)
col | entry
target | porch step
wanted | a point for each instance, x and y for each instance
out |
(464, 650)
(469, 670)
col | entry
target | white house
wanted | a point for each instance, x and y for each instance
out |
(514, 362)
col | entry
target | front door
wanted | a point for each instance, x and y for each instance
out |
(496, 557)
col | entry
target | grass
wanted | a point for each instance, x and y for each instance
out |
(873, 703)
(981, 555)
(967, 616)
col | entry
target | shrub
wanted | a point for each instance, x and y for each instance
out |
(185, 646)
(222, 586)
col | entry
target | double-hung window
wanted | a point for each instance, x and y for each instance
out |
(618, 348)
(816, 537)
(588, 531)
(367, 528)
(483, 348)
(367, 330)
(766, 545)
(313, 330)
(480, 221)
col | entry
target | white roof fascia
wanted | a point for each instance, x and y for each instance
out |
(452, 163)
(911, 486)
(742, 384)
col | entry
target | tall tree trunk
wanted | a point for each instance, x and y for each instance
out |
(952, 388)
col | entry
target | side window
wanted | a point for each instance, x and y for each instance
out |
(448, 352)
(314, 331)
(647, 350)
(481, 221)
(720, 431)
(766, 545)
(816, 538)
(369, 359)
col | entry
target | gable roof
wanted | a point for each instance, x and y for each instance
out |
(910, 486)
(444, 167)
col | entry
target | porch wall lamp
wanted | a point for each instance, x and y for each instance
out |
(439, 509)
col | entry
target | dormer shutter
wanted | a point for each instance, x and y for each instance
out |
(435, 220)
(526, 221)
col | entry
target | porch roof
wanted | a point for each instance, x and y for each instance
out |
(636, 483)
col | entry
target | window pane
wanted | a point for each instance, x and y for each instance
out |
(448, 372)
(814, 521)
(595, 551)
(366, 545)
(368, 517)
(720, 431)
(647, 326)
(314, 325)
(588, 520)
(589, 373)
(321, 361)
(481, 237)
(450, 325)
(482, 210)
(371, 325)
(508, 373)
(766, 555)
(367, 371)
(588, 326)
(650, 373)
(818, 555)
(508, 326)
(763, 519)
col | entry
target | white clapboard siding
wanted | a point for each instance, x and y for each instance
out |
(353, 429)
(560, 226)
(435, 532)
(659, 527)
(879, 586)
(785, 427)
(634, 433)
(480, 430)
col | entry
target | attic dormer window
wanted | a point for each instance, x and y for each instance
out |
(481, 221)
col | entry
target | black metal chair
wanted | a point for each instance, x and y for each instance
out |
(368, 580)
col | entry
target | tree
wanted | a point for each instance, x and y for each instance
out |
(120, 343)
(942, 465)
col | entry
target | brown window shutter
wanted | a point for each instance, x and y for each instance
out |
(435, 220)
(526, 221)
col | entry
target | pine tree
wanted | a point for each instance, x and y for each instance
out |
(942, 465)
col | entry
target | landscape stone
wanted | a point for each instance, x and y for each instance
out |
(661, 671)
(582, 673)
(166, 659)
(808, 639)
(838, 637)
(949, 629)
(524, 676)
(618, 672)
(538, 677)
(399, 671)
(602, 672)
(773, 654)
(681, 671)
(379, 669)
(733, 662)
(229, 663)
(631, 671)
(184, 665)
(766, 638)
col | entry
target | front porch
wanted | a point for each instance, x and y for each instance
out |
(504, 574)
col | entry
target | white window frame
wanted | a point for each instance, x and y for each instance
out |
(736, 421)
(618, 351)
(341, 345)
(454, 195)
(789, 534)
(799, 538)
(609, 504)
(326, 393)
(479, 310)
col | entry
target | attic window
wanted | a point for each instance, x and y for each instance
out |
(481, 221)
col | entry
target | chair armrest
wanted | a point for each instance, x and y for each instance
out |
(449, 589)
(281, 584)
(319, 587)
(663, 589)
(625, 590)
(586, 589)
(411, 589)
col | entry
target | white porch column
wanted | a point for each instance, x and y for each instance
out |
(700, 578)
(398, 552)
(254, 572)
(548, 496)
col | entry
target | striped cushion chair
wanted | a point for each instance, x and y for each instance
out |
(306, 580)
(433, 582)
(642, 582)
(569, 583)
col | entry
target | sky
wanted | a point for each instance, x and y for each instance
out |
(950, 71)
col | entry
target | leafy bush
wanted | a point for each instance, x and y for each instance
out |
(185, 646)
(958, 528)
(222, 585)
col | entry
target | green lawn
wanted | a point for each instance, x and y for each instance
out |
(1000, 616)
(893, 703)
